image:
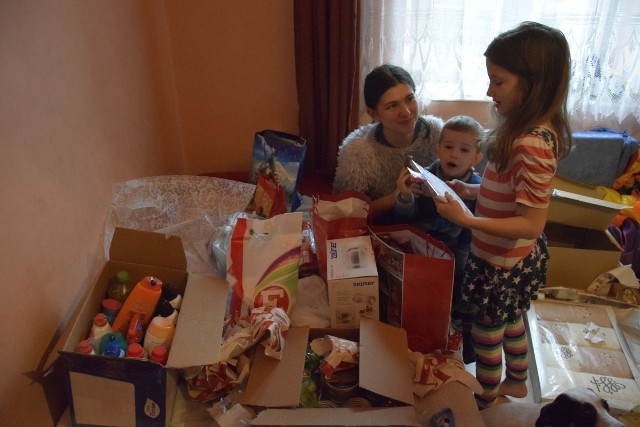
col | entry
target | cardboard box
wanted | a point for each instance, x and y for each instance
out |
(113, 391)
(352, 281)
(580, 248)
(383, 371)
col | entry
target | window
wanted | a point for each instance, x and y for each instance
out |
(441, 43)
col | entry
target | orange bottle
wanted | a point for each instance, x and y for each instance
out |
(142, 299)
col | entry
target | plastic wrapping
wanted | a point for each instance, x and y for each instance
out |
(581, 345)
(191, 207)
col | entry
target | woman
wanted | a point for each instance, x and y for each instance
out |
(371, 157)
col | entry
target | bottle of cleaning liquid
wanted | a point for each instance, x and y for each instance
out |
(85, 347)
(113, 344)
(120, 287)
(99, 328)
(160, 332)
(159, 354)
(135, 350)
(110, 307)
(142, 299)
(172, 295)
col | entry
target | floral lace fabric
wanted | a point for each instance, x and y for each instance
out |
(192, 207)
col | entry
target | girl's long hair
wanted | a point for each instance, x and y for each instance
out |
(539, 55)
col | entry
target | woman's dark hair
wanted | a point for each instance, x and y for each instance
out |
(381, 79)
(539, 55)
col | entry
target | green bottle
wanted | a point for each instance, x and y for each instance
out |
(119, 288)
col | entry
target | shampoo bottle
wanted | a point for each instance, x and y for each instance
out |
(142, 299)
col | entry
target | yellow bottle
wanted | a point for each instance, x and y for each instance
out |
(142, 299)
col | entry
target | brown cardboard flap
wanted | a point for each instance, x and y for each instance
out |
(277, 383)
(384, 367)
(400, 416)
(198, 334)
(147, 248)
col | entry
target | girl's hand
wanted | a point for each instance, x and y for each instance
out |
(464, 190)
(452, 210)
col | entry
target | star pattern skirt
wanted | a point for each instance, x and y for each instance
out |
(500, 292)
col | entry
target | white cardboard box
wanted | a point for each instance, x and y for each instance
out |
(352, 281)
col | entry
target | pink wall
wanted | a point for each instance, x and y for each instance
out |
(235, 75)
(92, 94)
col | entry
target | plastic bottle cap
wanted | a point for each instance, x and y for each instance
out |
(169, 292)
(135, 350)
(100, 319)
(122, 276)
(84, 346)
(159, 354)
(113, 349)
(111, 304)
(165, 309)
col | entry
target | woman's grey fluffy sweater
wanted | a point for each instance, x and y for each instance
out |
(372, 168)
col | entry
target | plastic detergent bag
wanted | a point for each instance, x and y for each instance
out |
(262, 264)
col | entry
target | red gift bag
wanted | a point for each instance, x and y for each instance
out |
(269, 199)
(415, 272)
(337, 216)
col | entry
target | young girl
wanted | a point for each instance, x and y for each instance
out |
(528, 70)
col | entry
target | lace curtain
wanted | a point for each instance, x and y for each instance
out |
(441, 43)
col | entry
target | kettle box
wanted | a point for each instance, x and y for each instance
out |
(352, 281)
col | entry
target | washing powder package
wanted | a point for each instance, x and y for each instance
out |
(352, 281)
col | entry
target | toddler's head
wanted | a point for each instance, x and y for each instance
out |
(460, 146)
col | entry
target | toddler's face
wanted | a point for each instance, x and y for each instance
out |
(458, 152)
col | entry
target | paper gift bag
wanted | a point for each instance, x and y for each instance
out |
(269, 199)
(279, 155)
(415, 274)
(337, 216)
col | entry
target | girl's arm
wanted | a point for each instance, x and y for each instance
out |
(528, 223)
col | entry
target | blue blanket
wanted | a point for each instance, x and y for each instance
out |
(598, 157)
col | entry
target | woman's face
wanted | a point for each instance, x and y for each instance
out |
(397, 110)
(504, 88)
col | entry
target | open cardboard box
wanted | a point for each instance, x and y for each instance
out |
(105, 390)
(383, 370)
(580, 248)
